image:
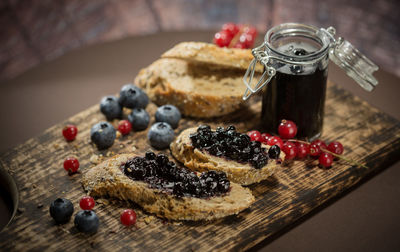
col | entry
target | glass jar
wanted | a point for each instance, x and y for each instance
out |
(295, 59)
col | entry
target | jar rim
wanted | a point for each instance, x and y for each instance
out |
(294, 29)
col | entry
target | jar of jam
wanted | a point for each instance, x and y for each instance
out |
(295, 59)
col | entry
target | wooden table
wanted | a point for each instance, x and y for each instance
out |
(76, 81)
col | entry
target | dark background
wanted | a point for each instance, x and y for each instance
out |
(34, 31)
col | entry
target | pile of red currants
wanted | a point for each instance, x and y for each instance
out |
(299, 149)
(236, 36)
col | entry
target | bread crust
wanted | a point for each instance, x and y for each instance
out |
(197, 160)
(195, 90)
(107, 180)
(201, 52)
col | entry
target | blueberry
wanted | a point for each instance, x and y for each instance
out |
(110, 107)
(169, 114)
(160, 135)
(139, 118)
(131, 96)
(61, 210)
(274, 152)
(103, 135)
(86, 221)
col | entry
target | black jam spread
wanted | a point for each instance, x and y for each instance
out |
(162, 174)
(298, 94)
(230, 144)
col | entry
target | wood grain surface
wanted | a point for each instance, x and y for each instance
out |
(369, 136)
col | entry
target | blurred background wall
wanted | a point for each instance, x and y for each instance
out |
(35, 31)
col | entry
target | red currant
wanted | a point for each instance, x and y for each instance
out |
(326, 160)
(69, 132)
(249, 30)
(222, 39)
(290, 150)
(264, 138)
(124, 126)
(287, 129)
(230, 28)
(71, 165)
(87, 203)
(303, 150)
(247, 40)
(254, 135)
(315, 150)
(274, 140)
(320, 143)
(336, 147)
(128, 217)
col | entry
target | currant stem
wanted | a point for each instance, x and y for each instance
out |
(350, 161)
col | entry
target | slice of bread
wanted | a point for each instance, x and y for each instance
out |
(197, 160)
(107, 180)
(200, 52)
(197, 90)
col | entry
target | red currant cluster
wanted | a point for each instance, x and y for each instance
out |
(299, 149)
(235, 36)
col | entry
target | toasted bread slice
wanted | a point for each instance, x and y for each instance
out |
(197, 160)
(200, 52)
(197, 90)
(107, 179)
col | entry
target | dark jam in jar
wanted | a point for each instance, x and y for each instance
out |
(296, 93)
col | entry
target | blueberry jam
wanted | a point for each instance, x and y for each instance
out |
(296, 93)
(162, 174)
(230, 144)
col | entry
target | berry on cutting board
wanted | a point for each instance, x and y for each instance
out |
(287, 129)
(274, 140)
(139, 118)
(336, 147)
(69, 132)
(264, 138)
(169, 114)
(71, 165)
(315, 150)
(274, 152)
(132, 96)
(103, 135)
(160, 135)
(124, 126)
(128, 217)
(86, 221)
(61, 210)
(290, 149)
(254, 135)
(320, 143)
(87, 203)
(110, 107)
(326, 159)
(303, 150)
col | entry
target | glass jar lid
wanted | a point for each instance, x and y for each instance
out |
(277, 48)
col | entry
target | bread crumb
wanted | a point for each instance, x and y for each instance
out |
(134, 148)
(56, 146)
(121, 146)
(94, 159)
(110, 153)
(148, 219)
(118, 134)
(103, 202)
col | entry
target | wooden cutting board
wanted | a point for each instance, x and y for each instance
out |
(368, 135)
